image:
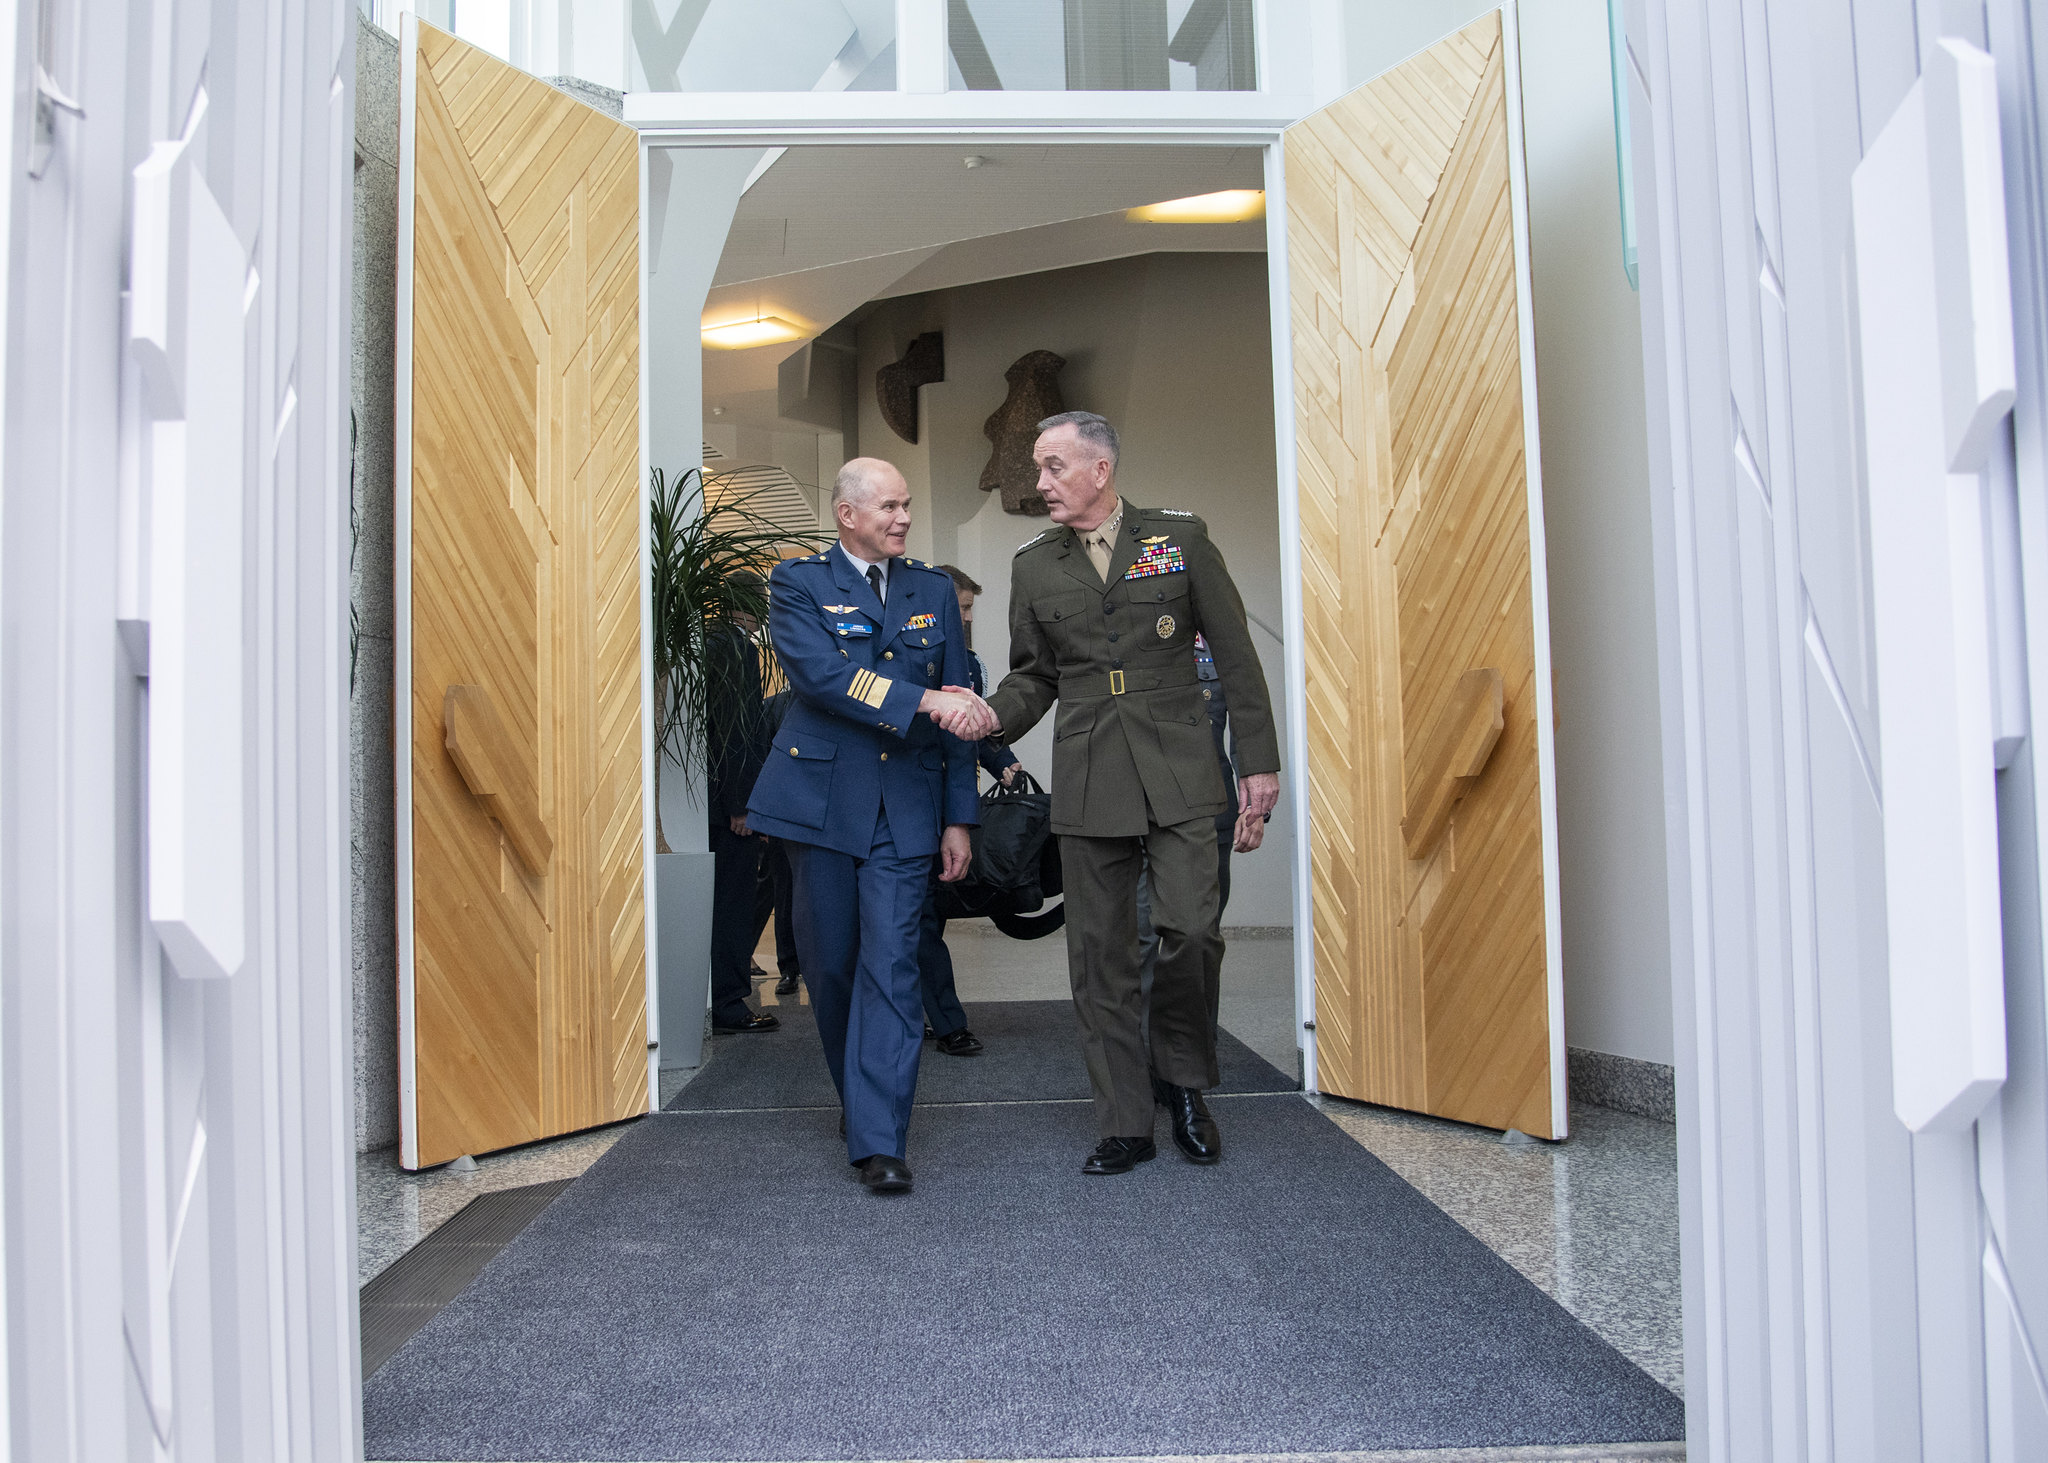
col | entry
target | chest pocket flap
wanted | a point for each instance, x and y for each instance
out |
(1059, 608)
(1157, 589)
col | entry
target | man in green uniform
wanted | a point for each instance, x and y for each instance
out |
(1104, 610)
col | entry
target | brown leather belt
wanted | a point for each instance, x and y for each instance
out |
(1117, 683)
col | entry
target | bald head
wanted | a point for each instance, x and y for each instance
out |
(871, 505)
(862, 478)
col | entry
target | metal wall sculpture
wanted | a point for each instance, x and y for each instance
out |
(1013, 428)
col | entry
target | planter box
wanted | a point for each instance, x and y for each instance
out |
(682, 890)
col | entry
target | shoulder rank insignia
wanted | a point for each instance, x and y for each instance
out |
(1039, 539)
(920, 622)
(1159, 557)
(1174, 512)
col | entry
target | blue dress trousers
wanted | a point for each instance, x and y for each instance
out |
(859, 787)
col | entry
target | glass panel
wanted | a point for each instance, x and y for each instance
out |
(1624, 169)
(763, 45)
(1102, 45)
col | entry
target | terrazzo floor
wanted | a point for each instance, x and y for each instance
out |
(1592, 1221)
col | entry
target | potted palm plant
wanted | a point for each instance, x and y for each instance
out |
(710, 550)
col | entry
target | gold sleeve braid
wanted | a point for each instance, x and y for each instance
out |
(869, 688)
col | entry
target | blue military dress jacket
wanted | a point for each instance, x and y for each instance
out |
(853, 744)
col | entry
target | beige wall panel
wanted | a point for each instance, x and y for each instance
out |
(1431, 973)
(529, 989)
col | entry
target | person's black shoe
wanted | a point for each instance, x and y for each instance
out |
(961, 1043)
(753, 1021)
(928, 1032)
(787, 985)
(884, 1174)
(1119, 1155)
(1194, 1131)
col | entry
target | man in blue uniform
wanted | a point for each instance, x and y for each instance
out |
(867, 781)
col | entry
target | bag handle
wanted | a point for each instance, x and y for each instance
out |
(1025, 786)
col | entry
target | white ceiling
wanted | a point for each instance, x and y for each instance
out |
(826, 229)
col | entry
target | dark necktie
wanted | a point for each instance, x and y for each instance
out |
(875, 578)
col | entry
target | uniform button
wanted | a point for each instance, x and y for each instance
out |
(888, 655)
(1112, 637)
(1116, 665)
(885, 756)
(1109, 609)
(792, 751)
(1162, 594)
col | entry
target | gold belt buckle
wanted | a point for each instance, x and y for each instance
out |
(1116, 683)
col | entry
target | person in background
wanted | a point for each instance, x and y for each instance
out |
(736, 746)
(772, 889)
(945, 1022)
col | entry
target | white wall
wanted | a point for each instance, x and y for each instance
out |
(1175, 349)
(1379, 33)
(1589, 386)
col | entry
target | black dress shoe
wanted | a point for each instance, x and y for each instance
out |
(884, 1174)
(787, 985)
(1119, 1155)
(928, 1032)
(755, 972)
(961, 1043)
(754, 1021)
(1194, 1131)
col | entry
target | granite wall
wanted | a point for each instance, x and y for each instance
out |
(372, 401)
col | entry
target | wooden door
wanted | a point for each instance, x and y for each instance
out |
(1432, 845)
(523, 992)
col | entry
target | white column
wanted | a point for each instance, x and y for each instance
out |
(921, 45)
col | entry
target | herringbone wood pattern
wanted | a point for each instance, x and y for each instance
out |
(530, 1011)
(1431, 979)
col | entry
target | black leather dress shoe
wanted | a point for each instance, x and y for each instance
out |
(1119, 1155)
(884, 1174)
(755, 1021)
(1194, 1131)
(787, 985)
(961, 1043)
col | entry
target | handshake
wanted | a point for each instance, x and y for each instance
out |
(960, 712)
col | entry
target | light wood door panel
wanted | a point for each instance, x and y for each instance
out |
(1436, 972)
(525, 1008)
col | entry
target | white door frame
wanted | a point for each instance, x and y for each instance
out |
(983, 118)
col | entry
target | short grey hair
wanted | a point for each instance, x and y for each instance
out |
(856, 480)
(1090, 428)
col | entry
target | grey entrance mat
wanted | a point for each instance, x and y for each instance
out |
(1034, 1055)
(404, 1295)
(721, 1286)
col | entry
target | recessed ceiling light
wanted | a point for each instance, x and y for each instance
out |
(739, 335)
(1231, 206)
(975, 160)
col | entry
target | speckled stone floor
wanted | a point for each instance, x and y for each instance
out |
(1592, 1221)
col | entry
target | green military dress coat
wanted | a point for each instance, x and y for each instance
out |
(1119, 658)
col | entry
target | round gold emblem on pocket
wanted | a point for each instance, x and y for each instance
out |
(1165, 626)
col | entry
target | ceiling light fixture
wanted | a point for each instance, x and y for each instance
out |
(739, 335)
(1234, 205)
